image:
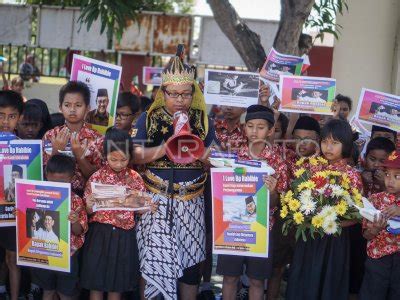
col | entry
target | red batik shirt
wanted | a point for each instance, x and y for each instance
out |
(384, 243)
(273, 159)
(354, 175)
(288, 156)
(93, 153)
(235, 137)
(77, 205)
(128, 178)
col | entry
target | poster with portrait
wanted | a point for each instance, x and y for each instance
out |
(18, 159)
(313, 95)
(152, 75)
(231, 88)
(378, 108)
(103, 80)
(240, 211)
(43, 228)
(278, 64)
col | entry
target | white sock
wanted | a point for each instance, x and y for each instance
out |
(3, 289)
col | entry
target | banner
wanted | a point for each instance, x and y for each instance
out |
(43, 228)
(231, 88)
(103, 80)
(240, 204)
(314, 95)
(378, 108)
(18, 159)
(152, 75)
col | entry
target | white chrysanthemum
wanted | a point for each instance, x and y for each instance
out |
(328, 213)
(337, 191)
(308, 206)
(329, 226)
(305, 196)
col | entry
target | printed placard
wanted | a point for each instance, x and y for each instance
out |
(301, 94)
(103, 80)
(43, 228)
(18, 159)
(152, 75)
(240, 210)
(231, 88)
(378, 108)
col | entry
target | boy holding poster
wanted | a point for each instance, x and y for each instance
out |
(61, 168)
(258, 128)
(11, 107)
(75, 137)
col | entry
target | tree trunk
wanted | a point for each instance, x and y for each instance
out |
(293, 15)
(246, 42)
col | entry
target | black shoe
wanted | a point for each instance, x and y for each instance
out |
(35, 294)
(4, 296)
(206, 295)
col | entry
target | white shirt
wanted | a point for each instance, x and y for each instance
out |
(48, 236)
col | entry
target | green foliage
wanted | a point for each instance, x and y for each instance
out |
(323, 17)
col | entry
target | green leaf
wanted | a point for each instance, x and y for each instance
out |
(298, 233)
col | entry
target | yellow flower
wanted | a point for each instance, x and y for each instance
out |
(322, 160)
(306, 185)
(284, 212)
(298, 217)
(300, 161)
(317, 221)
(322, 174)
(287, 197)
(341, 208)
(332, 181)
(294, 204)
(299, 172)
(313, 161)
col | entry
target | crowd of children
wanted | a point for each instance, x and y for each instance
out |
(164, 249)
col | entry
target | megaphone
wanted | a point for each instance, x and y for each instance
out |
(183, 147)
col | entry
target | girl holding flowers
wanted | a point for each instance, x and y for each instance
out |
(320, 206)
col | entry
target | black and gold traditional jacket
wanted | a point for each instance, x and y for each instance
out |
(160, 128)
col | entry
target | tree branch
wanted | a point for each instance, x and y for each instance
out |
(294, 13)
(246, 42)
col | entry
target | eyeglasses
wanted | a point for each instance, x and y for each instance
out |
(123, 116)
(175, 95)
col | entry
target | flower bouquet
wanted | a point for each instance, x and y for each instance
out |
(319, 199)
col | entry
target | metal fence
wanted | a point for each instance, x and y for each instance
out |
(50, 62)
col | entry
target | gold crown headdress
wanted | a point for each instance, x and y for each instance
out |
(177, 73)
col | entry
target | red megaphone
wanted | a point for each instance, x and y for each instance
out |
(183, 147)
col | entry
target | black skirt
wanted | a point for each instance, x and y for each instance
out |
(110, 260)
(320, 269)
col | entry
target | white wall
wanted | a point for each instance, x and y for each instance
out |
(364, 55)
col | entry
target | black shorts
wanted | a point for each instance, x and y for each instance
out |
(381, 278)
(191, 275)
(256, 267)
(8, 238)
(64, 283)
